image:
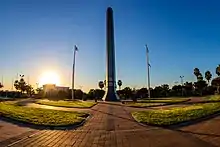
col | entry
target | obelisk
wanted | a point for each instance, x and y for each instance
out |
(110, 93)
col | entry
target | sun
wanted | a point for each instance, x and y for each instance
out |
(49, 78)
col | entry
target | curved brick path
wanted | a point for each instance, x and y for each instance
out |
(111, 125)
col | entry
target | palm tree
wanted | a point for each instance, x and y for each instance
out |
(200, 77)
(208, 76)
(1, 85)
(101, 84)
(197, 72)
(119, 84)
(218, 70)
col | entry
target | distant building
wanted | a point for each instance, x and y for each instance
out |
(62, 88)
(49, 87)
(52, 89)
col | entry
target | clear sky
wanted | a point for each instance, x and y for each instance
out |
(38, 35)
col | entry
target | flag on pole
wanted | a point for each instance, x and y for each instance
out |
(147, 49)
(76, 48)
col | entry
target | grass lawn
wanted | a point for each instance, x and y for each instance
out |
(176, 115)
(39, 116)
(172, 100)
(212, 98)
(70, 104)
(154, 102)
(143, 105)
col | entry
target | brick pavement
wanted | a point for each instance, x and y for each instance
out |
(111, 126)
(10, 130)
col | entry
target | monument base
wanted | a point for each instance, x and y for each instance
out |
(111, 96)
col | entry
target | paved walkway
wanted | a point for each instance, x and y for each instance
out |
(10, 130)
(112, 125)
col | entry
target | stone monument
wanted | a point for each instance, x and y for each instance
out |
(110, 94)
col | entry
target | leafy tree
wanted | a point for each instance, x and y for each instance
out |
(127, 92)
(20, 85)
(134, 95)
(30, 90)
(209, 90)
(39, 90)
(196, 72)
(157, 91)
(142, 93)
(1, 85)
(200, 85)
(99, 93)
(208, 76)
(176, 90)
(78, 94)
(188, 88)
(119, 84)
(91, 94)
(101, 84)
(95, 94)
(218, 70)
(216, 83)
(165, 90)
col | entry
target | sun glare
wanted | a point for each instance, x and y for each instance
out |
(49, 78)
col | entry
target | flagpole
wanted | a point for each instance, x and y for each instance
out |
(148, 71)
(12, 84)
(28, 80)
(73, 72)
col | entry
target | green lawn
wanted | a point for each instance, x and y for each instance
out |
(39, 116)
(70, 104)
(154, 102)
(176, 115)
(212, 98)
(168, 100)
(142, 105)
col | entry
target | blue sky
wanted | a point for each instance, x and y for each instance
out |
(38, 35)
